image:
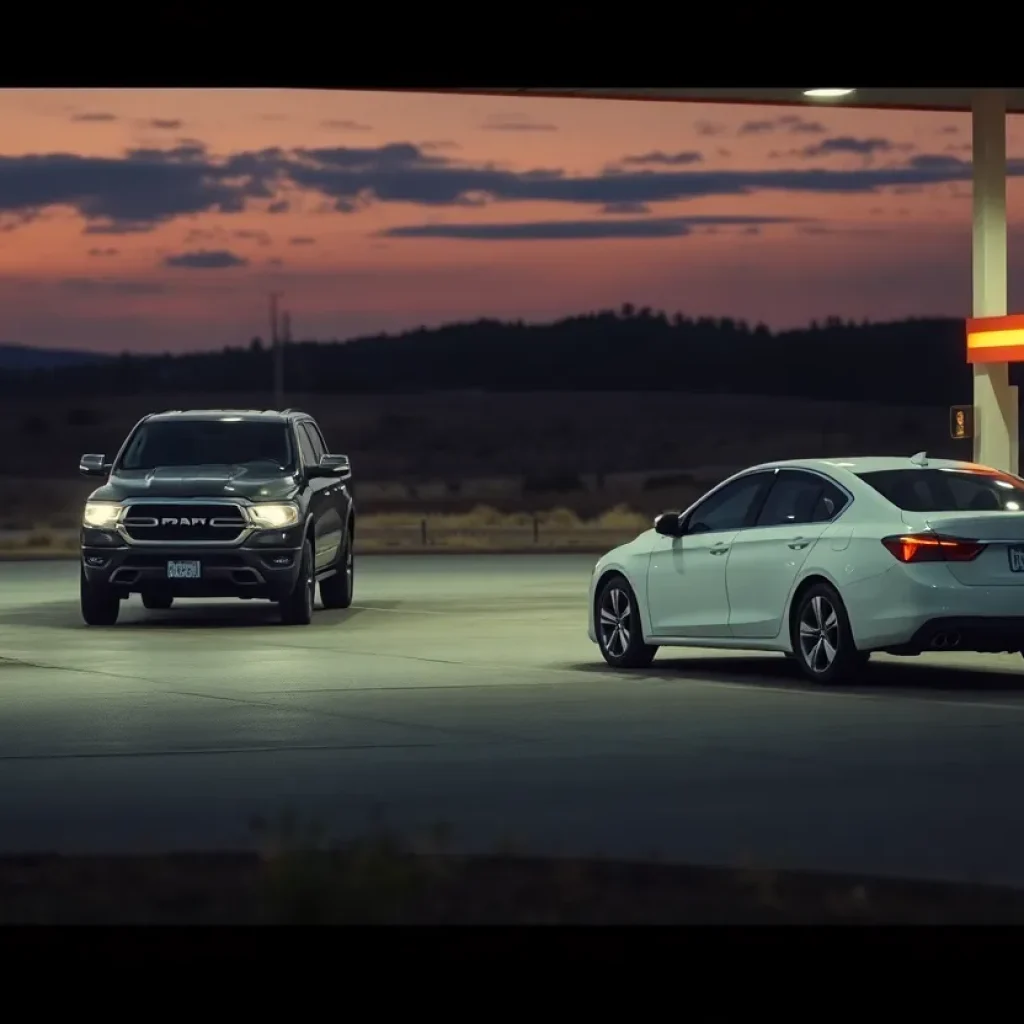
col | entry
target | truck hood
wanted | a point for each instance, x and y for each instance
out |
(250, 483)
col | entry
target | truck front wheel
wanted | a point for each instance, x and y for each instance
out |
(297, 607)
(336, 591)
(100, 606)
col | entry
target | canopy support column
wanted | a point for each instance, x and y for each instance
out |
(996, 436)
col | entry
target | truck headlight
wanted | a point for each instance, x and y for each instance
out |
(101, 515)
(274, 516)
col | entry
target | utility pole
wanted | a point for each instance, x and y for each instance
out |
(286, 337)
(277, 352)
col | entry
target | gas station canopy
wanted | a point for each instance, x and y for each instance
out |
(953, 100)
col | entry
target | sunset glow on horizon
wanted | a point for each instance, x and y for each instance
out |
(159, 220)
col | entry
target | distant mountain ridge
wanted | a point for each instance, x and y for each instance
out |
(910, 362)
(24, 357)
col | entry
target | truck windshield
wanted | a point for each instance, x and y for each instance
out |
(214, 442)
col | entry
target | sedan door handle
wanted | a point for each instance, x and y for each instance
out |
(719, 549)
(799, 543)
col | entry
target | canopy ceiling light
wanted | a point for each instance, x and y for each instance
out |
(828, 94)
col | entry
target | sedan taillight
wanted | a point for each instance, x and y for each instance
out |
(928, 547)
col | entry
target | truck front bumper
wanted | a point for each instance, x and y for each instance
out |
(267, 566)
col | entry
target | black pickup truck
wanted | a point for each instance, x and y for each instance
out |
(219, 503)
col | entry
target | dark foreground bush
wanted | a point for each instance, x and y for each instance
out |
(299, 877)
(371, 884)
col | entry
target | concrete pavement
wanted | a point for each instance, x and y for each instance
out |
(464, 690)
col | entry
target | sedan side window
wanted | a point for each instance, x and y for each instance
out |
(800, 498)
(831, 502)
(728, 508)
(793, 499)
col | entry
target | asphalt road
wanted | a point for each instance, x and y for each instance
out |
(462, 690)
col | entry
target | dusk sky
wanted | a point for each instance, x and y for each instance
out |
(159, 220)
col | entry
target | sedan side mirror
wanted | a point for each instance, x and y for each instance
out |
(94, 465)
(668, 524)
(337, 467)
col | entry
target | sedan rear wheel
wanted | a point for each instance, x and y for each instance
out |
(822, 640)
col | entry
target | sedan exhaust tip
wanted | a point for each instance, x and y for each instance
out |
(945, 641)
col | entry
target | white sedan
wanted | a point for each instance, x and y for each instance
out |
(824, 560)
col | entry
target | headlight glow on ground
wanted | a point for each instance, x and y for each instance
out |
(274, 516)
(101, 515)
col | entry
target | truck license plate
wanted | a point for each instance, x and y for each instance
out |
(184, 570)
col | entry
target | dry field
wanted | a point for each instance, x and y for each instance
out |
(481, 471)
(482, 529)
(541, 438)
(28, 503)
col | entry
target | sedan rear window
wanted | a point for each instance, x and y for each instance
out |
(948, 490)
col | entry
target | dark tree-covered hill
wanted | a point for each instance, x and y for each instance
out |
(914, 362)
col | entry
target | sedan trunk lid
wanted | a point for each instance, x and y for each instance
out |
(1001, 562)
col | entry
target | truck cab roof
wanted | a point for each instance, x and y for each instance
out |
(251, 415)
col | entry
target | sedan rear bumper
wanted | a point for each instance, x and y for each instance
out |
(909, 607)
(985, 634)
